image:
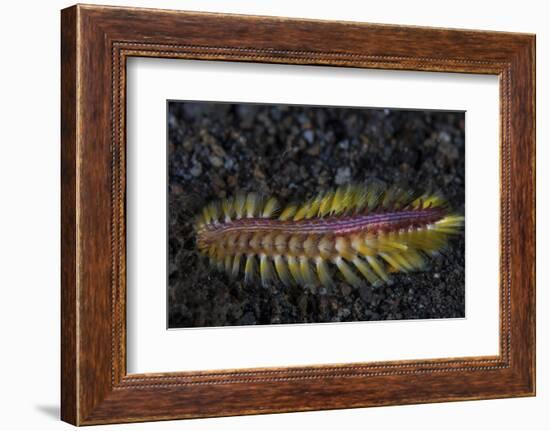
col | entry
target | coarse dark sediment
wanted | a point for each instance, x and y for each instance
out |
(294, 152)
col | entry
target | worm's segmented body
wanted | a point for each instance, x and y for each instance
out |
(365, 232)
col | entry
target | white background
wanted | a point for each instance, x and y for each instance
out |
(29, 228)
(151, 348)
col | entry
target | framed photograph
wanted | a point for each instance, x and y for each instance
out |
(264, 215)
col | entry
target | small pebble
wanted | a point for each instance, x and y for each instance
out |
(343, 175)
(218, 150)
(365, 292)
(444, 137)
(258, 173)
(344, 144)
(176, 189)
(229, 163)
(196, 170)
(448, 151)
(216, 161)
(232, 181)
(309, 136)
(314, 150)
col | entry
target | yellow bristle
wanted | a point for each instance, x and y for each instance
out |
(446, 230)
(314, 206)
(428, 200)
(301, 212)
(358, 243)
(385, 242)
(364, 269)
(294, 268)
(288, 212)
(347, 272)
(266, 270)
(250, 269)
(396, 245)
(239, 204)
(434, 241)
(338, 201)
(228, 209)
(396, 239)
(214, 211)
(282, 270)
(378, 268)
(451, 221)
(252, 205)
(402, 261)
(389, 198)
(227, 263)
(348, 202)
(434, 201)
(394, 264)
(235, 267)
(374, 195)
(206, 215)
(199, 222)
(415, 258)
(326, 204)
(271, 208)
(323, 272)
(306, 273)
(360, 199)
(402, 197)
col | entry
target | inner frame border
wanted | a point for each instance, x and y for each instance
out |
(121, 50)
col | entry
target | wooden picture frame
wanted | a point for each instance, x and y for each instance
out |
(96, 41)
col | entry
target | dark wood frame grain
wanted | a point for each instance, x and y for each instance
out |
(96, 42)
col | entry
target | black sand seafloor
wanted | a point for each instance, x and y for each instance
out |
(216, 149)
